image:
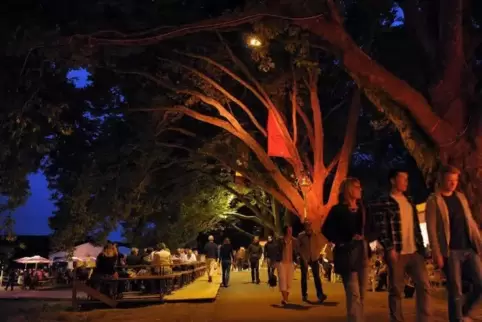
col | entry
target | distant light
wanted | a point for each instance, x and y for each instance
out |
(254, 41)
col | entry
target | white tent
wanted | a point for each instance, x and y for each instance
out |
(81, 252)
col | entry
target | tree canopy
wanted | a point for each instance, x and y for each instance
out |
(321, 68)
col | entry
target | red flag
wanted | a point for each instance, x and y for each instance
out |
(276, 144)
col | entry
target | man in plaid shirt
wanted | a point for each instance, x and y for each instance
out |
(401, 237)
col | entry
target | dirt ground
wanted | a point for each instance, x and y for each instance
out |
(242, 301)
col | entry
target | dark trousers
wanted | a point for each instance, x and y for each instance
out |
(10, 283)
(270, 263)
(414, 265)
(458, 308)
(226, 267)
(254, 264)
(315, 269)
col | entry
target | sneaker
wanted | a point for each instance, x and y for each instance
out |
(283, 302)
(322, 298)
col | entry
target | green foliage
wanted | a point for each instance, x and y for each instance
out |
(107, 165)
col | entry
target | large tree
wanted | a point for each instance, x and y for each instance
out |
(437, 115)
(284, 83)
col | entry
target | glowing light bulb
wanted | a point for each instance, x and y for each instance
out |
(254, 41)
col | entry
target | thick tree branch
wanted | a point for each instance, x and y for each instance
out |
(347, 148)
(224, 91)
(318, 163)
(294, 108)
(333, 163)
(280, 196)
(307, 123)
(241, 230)
(233, 75)
(238, 62)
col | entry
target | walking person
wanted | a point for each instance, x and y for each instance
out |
(211, 251)
(284, 258)
(226, 257)
(310, 245)
(255, 250)
(455, 242)
(240, 258)
(270, 253)
(401, 238)
(351, 229)
(11, 279)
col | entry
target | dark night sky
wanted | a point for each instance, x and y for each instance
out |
(32, 218)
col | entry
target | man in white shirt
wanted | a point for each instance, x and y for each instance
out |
(402, 240)
(190, 257)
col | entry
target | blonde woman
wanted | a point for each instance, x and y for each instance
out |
(351, 230)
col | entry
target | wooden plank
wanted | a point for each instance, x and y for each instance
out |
(95, 294)
(199, 290)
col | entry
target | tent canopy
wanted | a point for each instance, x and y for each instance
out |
(81, 252)
(33, 260)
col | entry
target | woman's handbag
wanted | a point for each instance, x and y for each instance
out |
(349, 256)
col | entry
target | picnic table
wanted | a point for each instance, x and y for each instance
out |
(161, 280)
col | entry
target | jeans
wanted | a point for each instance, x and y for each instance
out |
(457, 307)
(414, 265)
(271, 266)
(226, 267)
(355, 284)
(315, 270)
(254, 264)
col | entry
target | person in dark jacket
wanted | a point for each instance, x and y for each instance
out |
(270, 253)
(351, 230)
(105, 268)
(134, 259)
(255, 250)
(226, 257)
(211, 252)
(12, 277)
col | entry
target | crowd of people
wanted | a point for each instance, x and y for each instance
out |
(26, 279)
(110, 265)
(406, 266)
(392, 220)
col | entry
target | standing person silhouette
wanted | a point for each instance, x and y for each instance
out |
(255, 250)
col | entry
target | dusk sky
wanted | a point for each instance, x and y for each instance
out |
(32, 218)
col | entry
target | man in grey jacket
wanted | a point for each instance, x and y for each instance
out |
(455, 242)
